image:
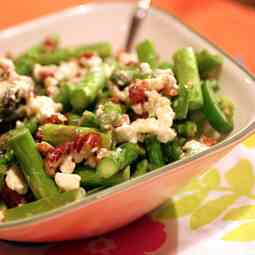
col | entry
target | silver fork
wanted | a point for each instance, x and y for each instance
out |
(138, 16)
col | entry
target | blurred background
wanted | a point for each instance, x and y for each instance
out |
(228, 23)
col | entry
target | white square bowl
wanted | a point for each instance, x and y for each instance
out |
(119, 205)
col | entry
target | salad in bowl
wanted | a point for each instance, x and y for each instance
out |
(77, 120)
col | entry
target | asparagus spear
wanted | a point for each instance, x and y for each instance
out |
(109, 113)
(3, 206)
(141, 168)
(209, 65)
(213, 112)
(187, 74)
(73, 119)
(126, 75)
(3, 169)
(103, 49)
(43, 205)
(91, 179)
(154, 152)
(30, 124)
(85, 93)
(126, 173)
(31, 163)
(147, 54)
(5, 159)
(63, 95)
(181, 103)
(172, 151)
(123, 77)
(37, 54)
(187, 129)
(118, 160)
(89, 119)
(165, 65)
(58, 134)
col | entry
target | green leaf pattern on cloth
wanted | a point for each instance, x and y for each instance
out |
(243, 233)
(246, 212)
(210, 211)
(223, 195)
(211, 179)
(250, 142)
(182, 207)
(241, 177)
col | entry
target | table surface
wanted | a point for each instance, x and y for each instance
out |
(226, 22)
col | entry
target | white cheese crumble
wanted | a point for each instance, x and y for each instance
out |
(163, 77)
(91, 62)
(193, 147)
(67, 70)
(68, 165)
(122, 95)
(7, 68)
(15, 180)
(159, 124)
(52, 75)
(51, 84)
(43, 107)
(103, 152)
(126, 58)
(67, 182)
(10, 81)
(145, 68)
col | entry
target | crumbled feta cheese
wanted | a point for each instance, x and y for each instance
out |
(126, 58)
(160, 107)
(103, 152)
(7, 63)
(159, 124)
(67, 182)
(108, 70)
(154, 126)
(66, 71)
(162, 78)
(91, 62)
(24, 85)
(126, 133)
(145, 68)
(7, 69)
(68, 165)
(122, 95)
(43, 107)
(15, 180)
(52, 75)
(10, 82)
(124, 119)
(193, 147)
(51, 85)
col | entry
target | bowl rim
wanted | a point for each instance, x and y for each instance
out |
(149, 177)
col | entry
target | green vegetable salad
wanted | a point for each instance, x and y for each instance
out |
(77, 120)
